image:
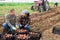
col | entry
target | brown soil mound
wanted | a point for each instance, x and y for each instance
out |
(45, 20)
(48, 35)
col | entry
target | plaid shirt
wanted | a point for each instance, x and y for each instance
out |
(24, 20)
(11, 20)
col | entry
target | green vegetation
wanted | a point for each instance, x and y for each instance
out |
(52, 4)
(15, 4)
(5, 7)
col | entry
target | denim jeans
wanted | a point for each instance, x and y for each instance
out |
(6, 27)
(27, 27)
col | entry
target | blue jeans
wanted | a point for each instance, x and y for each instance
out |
(6, 27)
(27, 27)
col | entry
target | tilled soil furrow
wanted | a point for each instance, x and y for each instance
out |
(53, 10)
(47, 23)
(44, 17)
(43, 13)
(57, 24)
(48, 35)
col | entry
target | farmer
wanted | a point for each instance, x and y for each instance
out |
(46, 5)
(40, 7)
(10, 21)
(55, 4)
(24, 20)
(43, 4)
(43, 1)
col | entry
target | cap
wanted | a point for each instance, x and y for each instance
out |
(25, 12)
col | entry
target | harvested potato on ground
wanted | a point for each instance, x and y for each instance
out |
(8, 35)
(22, 36)
(21, 30)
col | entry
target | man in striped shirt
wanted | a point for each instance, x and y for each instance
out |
(10, 21)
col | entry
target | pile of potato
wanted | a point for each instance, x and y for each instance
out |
(21, 31)
(8, 35)
(22, 36)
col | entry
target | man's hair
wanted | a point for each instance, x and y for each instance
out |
(12, 10)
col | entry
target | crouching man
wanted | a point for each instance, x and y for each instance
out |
(10, 21)
(24, 20)
(55, 4)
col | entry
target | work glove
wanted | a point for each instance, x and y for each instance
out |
(17, 27)
(13, 28)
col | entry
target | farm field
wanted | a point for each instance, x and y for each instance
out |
(45, 22)
(41, 22)
(19, 7)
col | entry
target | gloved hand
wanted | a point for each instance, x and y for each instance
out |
(17, 26)
(14, 28)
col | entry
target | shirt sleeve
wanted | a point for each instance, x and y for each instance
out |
(7, 20)
(16, 20)
(19, 19)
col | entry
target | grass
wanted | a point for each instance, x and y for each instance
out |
(5, 7)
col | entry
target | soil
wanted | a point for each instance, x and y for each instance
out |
(44, 22)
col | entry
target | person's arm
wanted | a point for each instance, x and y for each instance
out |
(16, 18)
(7, 20)
(19, 19)
(17, 22)
(29, 20)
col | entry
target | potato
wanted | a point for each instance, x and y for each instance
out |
(8, 35)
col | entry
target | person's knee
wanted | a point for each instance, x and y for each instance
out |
(19, 25)
(28, 27)
(4, 25)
